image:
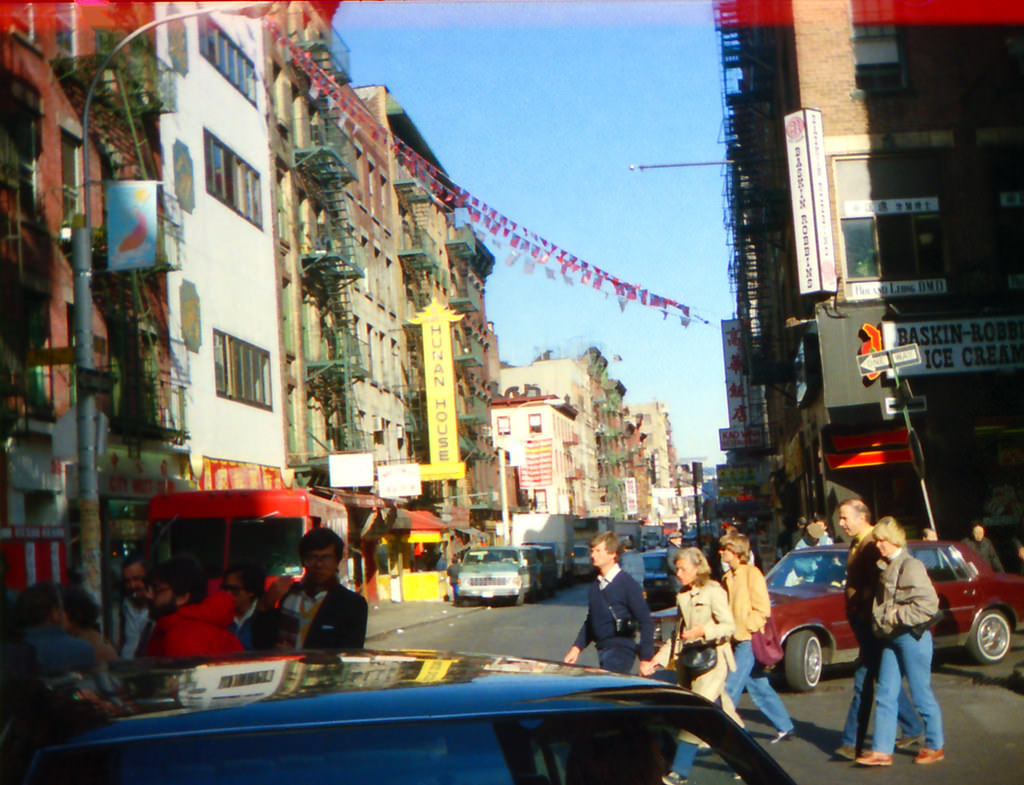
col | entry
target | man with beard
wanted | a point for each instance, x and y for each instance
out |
(135, 621)
(187, 621)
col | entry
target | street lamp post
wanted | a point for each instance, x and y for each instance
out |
(81, 265)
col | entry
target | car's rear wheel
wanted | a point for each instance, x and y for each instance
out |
(990, 638)
(803, 661)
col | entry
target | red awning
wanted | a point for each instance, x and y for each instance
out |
(419, 521)
(859, 460)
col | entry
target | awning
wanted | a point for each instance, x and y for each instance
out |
(332, 515)
(419, 520)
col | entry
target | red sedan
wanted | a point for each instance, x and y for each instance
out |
(982, 607)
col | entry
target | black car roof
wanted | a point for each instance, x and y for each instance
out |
(134, 700)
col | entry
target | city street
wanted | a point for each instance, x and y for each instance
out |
(984, 719)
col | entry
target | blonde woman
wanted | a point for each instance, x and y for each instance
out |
(751, 607)
(703, 616)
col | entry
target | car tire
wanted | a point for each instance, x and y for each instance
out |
(803, 661)
(458, 602)
(990, 638)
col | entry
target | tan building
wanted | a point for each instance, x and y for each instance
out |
(660, 457)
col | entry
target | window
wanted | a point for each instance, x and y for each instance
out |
(1008, 178)
(242, 371)
(504, 425)
(534, 422)
(878, 58)
(232, 181)
(19, 157)
(892, 228)
(540, 500)
(69, 157)
(64, 25)
(227, 58)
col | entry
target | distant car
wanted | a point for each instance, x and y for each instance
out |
(982, 607)
(563, 559)
(582, 566)
(657, 581)
(500, 573)
(366, 716)
(544, 579)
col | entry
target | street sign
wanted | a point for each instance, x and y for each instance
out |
(92, 382)
(892, 407)
(894, 359)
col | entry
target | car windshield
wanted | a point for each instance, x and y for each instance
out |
(580, 551)
(655, 562)
(493, 556)
(809, 567)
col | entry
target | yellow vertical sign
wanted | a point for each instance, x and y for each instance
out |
(439, 373)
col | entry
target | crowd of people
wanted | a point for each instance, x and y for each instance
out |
(168, 610)
(890, 604)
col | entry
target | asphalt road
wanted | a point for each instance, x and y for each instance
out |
(983, 717)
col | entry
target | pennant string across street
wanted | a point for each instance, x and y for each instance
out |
(534, 249)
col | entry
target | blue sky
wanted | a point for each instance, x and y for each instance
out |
(539, 109)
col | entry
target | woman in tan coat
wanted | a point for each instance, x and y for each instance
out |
(751, 607)
(703, 616)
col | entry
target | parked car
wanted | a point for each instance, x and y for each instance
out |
(563, 559)
(582, 566)
(543, 571)
(387, 716)
(489, 574)
(658, 587)
(982, 607)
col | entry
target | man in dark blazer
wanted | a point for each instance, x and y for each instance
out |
(613, 595)
(317, 612)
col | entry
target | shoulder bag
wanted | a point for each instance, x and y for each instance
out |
(765, 642)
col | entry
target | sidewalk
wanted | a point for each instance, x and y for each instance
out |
(386, 616)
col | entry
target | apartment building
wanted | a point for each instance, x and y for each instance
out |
(875, 202)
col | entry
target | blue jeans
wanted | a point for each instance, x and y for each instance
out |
(859, 714)
(907, 656)
(686, 752)
(750, 674)
(619, 659)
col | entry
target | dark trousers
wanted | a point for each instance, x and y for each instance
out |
(619, 659)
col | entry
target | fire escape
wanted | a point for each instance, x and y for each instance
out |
(756, 195)
(422, 272)
(148, 397)
(330, 263)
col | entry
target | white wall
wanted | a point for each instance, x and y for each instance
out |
(229, 259)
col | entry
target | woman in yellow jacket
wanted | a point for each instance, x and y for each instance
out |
(703, 616)
(750, 606)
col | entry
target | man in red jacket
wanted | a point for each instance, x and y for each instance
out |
(187, 621)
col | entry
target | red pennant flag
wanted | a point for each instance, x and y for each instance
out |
(515, 241)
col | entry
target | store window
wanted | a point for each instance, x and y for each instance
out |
(890, 217)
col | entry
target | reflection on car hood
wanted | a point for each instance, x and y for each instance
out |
(802, 592)
(143, 698)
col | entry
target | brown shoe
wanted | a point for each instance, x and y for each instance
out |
(929, 756)
(847, 752)
(875, 759)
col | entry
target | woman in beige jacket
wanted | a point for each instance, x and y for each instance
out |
(703, 615)
(751, 607)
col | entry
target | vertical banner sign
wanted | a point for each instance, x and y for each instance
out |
(131, 224)
(808, 186)
(632, 497)
(439, 373)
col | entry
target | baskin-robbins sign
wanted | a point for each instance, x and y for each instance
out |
(960, 345)
(439, 373)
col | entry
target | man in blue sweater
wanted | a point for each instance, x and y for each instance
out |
(613, 595)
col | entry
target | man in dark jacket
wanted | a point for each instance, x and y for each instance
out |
(188, 622)
(317, 612)
(983, 545)
(613, 595)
